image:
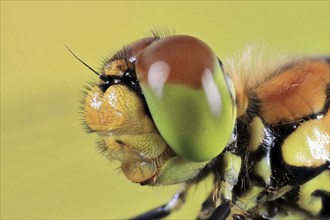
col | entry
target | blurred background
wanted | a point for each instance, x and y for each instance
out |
(50, 168)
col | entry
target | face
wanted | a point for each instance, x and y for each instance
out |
(163, 108)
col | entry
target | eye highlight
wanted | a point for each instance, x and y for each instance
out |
(157, 76)
(211, 91)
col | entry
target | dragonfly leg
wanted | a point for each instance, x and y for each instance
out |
(208, 208)
(162, 211)
(221, 212)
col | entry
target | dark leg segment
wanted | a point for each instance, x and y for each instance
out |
(221, 212)
(156, 213)
(207, 209)
(162, 211)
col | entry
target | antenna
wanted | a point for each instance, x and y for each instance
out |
(82, 61)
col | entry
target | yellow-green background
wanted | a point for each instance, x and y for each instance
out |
(50, 168)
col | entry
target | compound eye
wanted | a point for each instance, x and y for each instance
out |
(123, 60)
(130, 51)
(187, 96)
(175, 60)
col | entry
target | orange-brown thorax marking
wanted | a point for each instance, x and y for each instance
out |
(296, 92)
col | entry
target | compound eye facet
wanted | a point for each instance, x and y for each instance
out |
(123, 60)
(132, 50)
(187, 96)
(175, 60)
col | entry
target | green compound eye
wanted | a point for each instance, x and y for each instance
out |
(188, 95)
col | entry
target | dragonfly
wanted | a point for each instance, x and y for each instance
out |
(170, 111)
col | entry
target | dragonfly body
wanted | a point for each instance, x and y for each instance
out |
(171, 112)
